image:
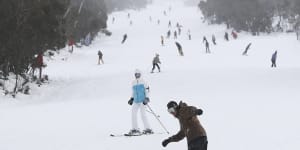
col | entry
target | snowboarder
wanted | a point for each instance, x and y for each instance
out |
(138, 101)
(155, 63)
(246, 50)
(234, 35)
(179, 47)
(124, 38)
(207, 47)
(214, 39)
(175, 34)
(100, 55)
(162, 40)
(226, 36)
(190, 126)
(273, 59)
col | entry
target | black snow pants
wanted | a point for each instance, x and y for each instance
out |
(199, 143)
(155, 65)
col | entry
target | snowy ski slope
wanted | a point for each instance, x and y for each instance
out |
(247, 104)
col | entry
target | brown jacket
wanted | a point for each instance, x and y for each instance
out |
(190, 126)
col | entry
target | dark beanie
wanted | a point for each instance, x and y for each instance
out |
(172, 104)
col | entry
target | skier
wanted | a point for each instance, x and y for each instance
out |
(138, 101)
(214, 39)
(130, 23)
(155, 63)
(100, 54)
(162, 40)
(234, 34)
(204, 39)
(71, 44)
(179, 47)
(190, 126)
(226, 36)
(170, 24)
(179, 30)
(150, 18)
(189, 35)
(158, 21)
(128, 15)
(246, 50)
(113, 20)
(273, 60)
(165, 13)
(298, 33)
(207, 47)
(40, 64)
(168, 34)
(175, 34)
(124, 38)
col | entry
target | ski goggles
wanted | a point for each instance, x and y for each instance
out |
(171, 110)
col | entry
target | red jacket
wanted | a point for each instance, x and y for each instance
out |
(71, 42)
(40, 60)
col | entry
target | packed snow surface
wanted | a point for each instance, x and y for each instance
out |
(247, 104)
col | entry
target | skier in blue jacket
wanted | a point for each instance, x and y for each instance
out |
(138, 100)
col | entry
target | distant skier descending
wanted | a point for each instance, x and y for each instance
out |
(71, 45)
(170, 24)
(234, 35)
(155, 63)
(100, 59)
(273, 59)
(226, 36)
(189, 34)
(179, 48)
(245, 53)
(169, 34)
(124, 38)
(213, 38)
(138, 101)
(207, 50)
(162, 40)
(204, 39)
(175, 34)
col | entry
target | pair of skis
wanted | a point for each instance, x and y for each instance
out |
(132, 135)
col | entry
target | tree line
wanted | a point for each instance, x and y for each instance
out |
(30, 28)
(253, 16)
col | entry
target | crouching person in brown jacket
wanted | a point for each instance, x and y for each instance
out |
(190, 126)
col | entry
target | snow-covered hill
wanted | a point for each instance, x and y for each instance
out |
(247, 104)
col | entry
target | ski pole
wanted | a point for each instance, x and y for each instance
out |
(152, 113)
(158, 119)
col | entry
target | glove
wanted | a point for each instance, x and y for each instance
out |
(130, 101)
(199, 112)
(146, 101)
(165, 142)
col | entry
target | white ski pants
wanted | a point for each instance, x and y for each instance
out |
(134, 113)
